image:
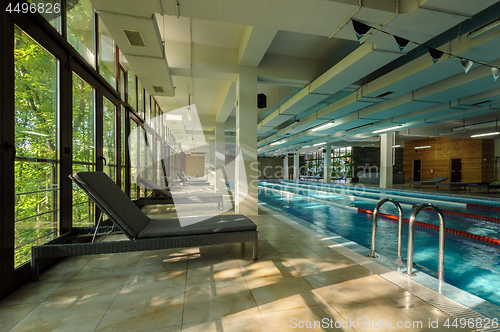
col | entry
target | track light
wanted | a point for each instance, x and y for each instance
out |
(386, 129)
(324, 126)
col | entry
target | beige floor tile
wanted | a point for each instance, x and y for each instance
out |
(71, 314)
(309, 263)
(283, 292)
(266, 267)
(36, 292)
(313, 318)
(208, 302)
(144, 311)
(211, 326)
(88, 284)
(69, 265)
(203, 271)
(149, 278)
(251, 323)
(10, 315)
(113, 262)
(265, 250)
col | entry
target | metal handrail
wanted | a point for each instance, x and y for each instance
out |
(411, 237)
(374, 226)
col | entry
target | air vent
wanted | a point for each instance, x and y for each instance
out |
(481, 102)
(158, 89)
(135, 38)
(382, 95)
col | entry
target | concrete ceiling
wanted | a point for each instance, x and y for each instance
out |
(311, 66)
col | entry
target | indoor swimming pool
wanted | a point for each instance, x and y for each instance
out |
(471, 262)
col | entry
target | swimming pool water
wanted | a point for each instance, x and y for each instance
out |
(470, 265)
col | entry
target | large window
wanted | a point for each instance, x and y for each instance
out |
(107, 55)
(133, 162)
(80, 18)
(36, 143)
(109, 138)
(83, 147)
(132, 90)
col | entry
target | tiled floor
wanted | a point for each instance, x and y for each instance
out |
(297, 280)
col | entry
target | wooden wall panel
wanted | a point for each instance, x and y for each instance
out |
(476, 155)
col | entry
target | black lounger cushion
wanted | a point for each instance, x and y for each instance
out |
(115, 202)
(217, 224)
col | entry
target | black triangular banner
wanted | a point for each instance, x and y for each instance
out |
(435, 54)
(401, 42)
(360, 28)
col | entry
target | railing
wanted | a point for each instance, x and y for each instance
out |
(411, 238)
(374, 226)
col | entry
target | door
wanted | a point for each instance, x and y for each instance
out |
(416, 170)
(456, 170)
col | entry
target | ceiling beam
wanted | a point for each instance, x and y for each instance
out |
(226, 102)
(254, 45)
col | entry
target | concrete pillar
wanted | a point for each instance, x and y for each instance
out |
(296, 167)
(386, 160)
(285, 168)
(220, 157)
(327, 163)
(246, 177)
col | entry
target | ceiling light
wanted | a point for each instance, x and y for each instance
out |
(484, 29)
(487, 134)
(324, 126)
(396, 146)
(423, 147)
(174, 117)
(359, 127)
(386, 129)
(318, 144)
(277, 143)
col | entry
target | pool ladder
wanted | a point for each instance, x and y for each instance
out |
(411, 232)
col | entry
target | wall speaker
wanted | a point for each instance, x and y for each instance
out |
(261, 100)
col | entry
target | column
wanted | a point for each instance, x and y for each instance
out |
(386, 160)
(220, 156)
(285, 167)
(327, 163)
(246, 177)
(296, 167)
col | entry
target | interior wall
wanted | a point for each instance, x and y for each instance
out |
(195, 164)
(271, 168)
(476, 155)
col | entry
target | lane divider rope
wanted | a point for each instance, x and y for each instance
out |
(435, 227)
(468, 215)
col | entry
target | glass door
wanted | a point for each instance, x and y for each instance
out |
(109, 139)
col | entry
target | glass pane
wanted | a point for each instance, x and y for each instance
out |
(83, 147)
(109, 138)
(148, 106)
(122, 142)
(132, 93)
(107, 55)
(122, 85)
(50, 10)
(37, 149)
(140, 99)
(133, 165)
(80, 18)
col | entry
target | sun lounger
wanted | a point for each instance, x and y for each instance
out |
(450, 185)
(487, 186)
(431, 182)
(192, 182)
(165, 196)
(143, 232)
